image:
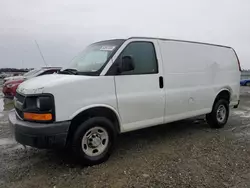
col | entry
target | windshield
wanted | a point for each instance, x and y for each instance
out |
(95, 56)
(31, 72)
(37, 73)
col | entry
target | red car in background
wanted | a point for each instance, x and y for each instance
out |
(10, 86)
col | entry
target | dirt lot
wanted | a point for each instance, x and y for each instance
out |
(182, 154)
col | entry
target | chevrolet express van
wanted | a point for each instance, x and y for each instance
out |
(116, 86)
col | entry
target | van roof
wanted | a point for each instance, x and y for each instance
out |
(181, 41)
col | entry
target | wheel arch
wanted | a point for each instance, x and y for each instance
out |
(223, 93)
(93, 111)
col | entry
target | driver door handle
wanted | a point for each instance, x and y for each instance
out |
(161, 83)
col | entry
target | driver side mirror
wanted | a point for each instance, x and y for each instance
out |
(127, 64)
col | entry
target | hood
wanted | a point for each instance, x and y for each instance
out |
(40, 84)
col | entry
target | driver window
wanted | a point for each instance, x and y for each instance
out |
(144, 57)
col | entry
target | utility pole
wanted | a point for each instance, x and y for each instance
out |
(41, 53)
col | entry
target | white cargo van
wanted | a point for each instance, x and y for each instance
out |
(116, 86)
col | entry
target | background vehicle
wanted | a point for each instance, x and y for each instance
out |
(118, 86)
(31, 73)
(2, 75)
(20, 77)
(245, 82)
(10, 86)
(12, 78)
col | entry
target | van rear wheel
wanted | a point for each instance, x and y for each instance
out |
(93, 141)
(219, 115)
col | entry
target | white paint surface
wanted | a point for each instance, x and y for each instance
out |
(193, 76)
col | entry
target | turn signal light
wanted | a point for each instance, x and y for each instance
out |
(37, 117)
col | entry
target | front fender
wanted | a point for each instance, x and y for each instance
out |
(95, 106)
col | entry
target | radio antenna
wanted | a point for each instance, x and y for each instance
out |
(41, 53)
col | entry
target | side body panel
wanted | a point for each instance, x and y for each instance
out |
(194, 74)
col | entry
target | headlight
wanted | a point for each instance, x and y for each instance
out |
(39, 108)
(44, 103)
(39, 103)
(11, 85)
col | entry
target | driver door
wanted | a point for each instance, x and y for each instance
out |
(140, 93)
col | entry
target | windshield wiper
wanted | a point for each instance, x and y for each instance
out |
(69, 71)
(89, 73)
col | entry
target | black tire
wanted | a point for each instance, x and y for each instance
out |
(212, 118)
(79, 134)
(247, 84)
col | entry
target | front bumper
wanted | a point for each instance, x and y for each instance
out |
(40, 135)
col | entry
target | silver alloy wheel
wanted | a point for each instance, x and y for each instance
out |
(221, 113)
(95, 141)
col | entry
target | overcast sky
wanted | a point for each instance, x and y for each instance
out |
(62, 28)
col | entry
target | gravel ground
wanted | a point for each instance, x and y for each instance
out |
(182, 154)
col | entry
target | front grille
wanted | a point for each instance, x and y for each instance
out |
(20, 98)
(19, 104)
(19, 112)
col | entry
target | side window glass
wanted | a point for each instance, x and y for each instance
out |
(144, 57)
(48, 72)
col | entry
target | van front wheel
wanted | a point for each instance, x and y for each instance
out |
(219, 115)
(93, 141)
